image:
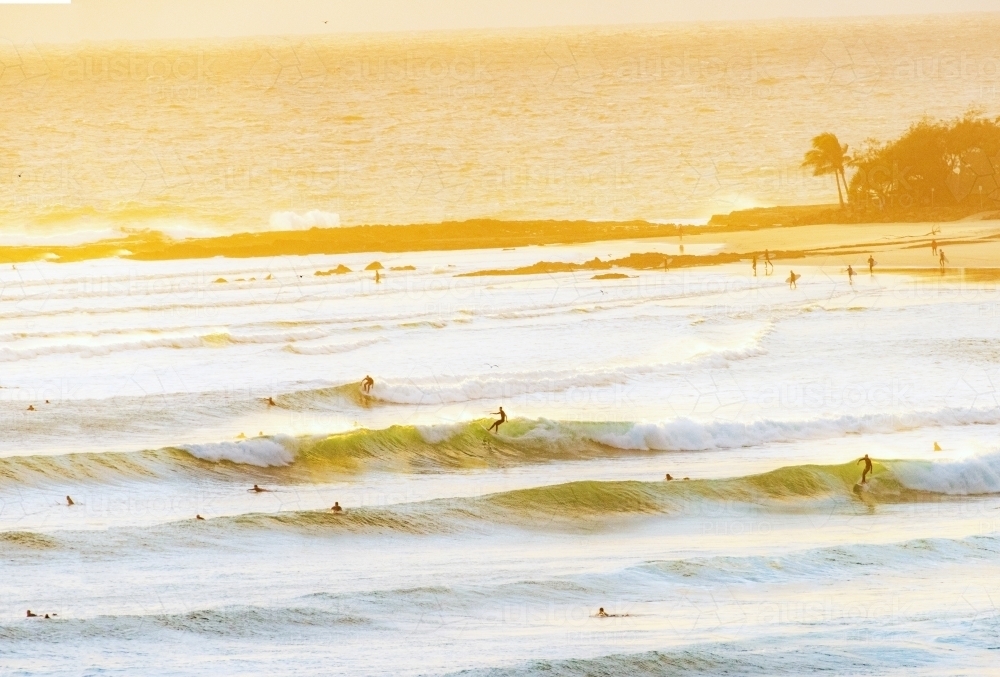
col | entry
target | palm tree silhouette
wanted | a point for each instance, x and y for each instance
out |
(828, 156)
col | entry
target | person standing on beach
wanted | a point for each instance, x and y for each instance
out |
(933, 247)
(941, 258)
(767, 262)
(850, 275)
(754, 265)
(871, 264)
(792, 279)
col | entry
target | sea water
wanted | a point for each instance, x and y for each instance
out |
(462, 550)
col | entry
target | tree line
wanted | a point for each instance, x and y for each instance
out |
(944, 167)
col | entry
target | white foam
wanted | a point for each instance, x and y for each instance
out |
(259, 451)
(684, 434)
(976, 475)
(314, 218)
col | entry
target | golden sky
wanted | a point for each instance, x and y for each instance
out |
(165, 19)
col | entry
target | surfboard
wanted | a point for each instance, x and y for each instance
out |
(792, 278)
(860, 488)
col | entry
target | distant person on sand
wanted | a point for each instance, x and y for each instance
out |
(933, 247)
(367, 382)
(793, 280)
(754, 265)
(767, 262)
(850, 274)
(941, 259)
(871, 264)
(868, 468)
(498, 422)
(336, 507)
(377, 278)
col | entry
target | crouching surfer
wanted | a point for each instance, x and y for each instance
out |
(868, 468)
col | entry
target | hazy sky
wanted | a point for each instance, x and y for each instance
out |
(143, 19)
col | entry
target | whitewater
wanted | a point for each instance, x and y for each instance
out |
(162, 391)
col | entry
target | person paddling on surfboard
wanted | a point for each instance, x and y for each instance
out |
(868, 468)
(498, 422)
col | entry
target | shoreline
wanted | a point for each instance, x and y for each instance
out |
(973, 244)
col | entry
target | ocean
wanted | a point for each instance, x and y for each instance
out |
(154, 392)
(676, 122)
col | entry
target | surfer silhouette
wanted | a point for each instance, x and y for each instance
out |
(941, 258)
(754, 265)
(792, 279)
(871, 264)
(767, 262)
(271, 402)
(69, 501)
(258, 490)
(602, 613)
(933, 247)
(199, 517)
(498, 422)
(668, 477)
(31, 615)
(336, 507)
(850, 274)
(868, 468)
(367, 382)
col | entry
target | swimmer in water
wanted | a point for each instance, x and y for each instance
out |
(498, 422)
(601, 613)
(199, 517)
(31, 615)
(668, 477)
(850, 274)
(336, 507)
(270, 402)
(69, 501)
(868, 468)
(258, 490)
(31, 407)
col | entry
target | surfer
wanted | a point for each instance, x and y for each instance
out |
(871, 264)
(868, 468)
(69, 501)
(933, 247)
(668, 477)
(850, 274)
(199, 517)
(31, 615)
(792, 279)
(336, 507)
(498, 422)
(367, 382)
(941, 258)
(271, 402)
(258, 490)
(601, 613)
(767, 262)
(31, 407)
(754, 265)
